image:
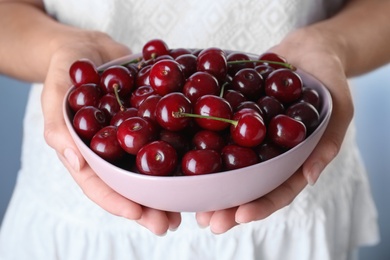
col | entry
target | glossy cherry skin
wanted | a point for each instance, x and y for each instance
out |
(286, 131)
(250, 130)
(142, 78)
(215, 106)
(199, 162)
(270, 107)
(187, 63)
(235, 157)
(234, 98)
(147, 108)
(88, 121)
(166, 76)
(140, 94)
(109, 105)
(105, 144)
(311, 96)
(157, 158)
(213, 61)
(168, 106)
(285, 85)
(264, 70)
(154, 48)
(208, 140)
(84, 95)
(249, 82)
(268, 150)
(177, 139)
(117, 79)
(200, 84)
(122, 115)
(306, 113)
(83, 71)
(271, 56)
(176, 52)
(134, 133)
(233, 68)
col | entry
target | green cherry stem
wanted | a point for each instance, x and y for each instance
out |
(136, 60)
(287, 65)
(116, 87)
(183, 114)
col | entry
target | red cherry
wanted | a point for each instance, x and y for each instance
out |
(249, 131)
(176, 52)
(200, 84)
(109, 105)
(154, 48)
(117, 79)
(83, 71)
(306, 113)
(187, 63)
(140, 94)
(166, 76)
(105, 144)
(208, 140)
(311, 96)
(273, 60)
(213, 61)
(235, 157)
(268, 150)
(147, 108)
(122, 115)
(168, 106)
(177, 139)
(249, 82)
(234, 67)
(285, 85)
(142, 78)
(84, 95)
(286, 131)
(234, 97)
(134, 133)
(157, 158)
(88, 121)
(198, 162)
(270, 107)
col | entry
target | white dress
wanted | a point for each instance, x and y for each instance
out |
(50, 218)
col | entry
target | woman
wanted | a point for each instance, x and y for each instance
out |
(54, 215)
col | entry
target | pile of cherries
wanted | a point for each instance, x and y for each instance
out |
(174, 112)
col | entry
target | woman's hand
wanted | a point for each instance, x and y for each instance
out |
(318, 53)
(99, 48)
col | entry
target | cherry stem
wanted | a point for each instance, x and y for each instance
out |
(223, 89)
(116, 87)
(136, 60)
(287, 65)
(183, 114)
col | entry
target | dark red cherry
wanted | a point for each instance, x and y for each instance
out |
(273, 57)
(154, 48)
(306, 113)
(249, 131)
(140, 94)
(213, 61)
(83, 71)
(168, 106)
(234, 65)
(311, 96)
(249, 82)
(268, 150)
(234, 98)
(285, 85)
(176, 52)
(198, 162)
(270, 107)
(166, 76)
(212, 106)
(142, 78)
(157, 158)
(88, 121)
(147, 108)
(264, 70)
(177, 139)
(235, 157)
(117, 79)
(187, 63)
(122, 115)
(105, 144)
(286, 131)
(84, 95)
(200, 84)
(134, 133)
(110, 105)
(208, 140)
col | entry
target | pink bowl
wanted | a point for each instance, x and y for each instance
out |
(206, 192)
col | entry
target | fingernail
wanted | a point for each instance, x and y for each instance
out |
(72, 159)
(314, 173)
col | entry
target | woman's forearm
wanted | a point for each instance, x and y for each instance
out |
(28, 39)
(363, 27)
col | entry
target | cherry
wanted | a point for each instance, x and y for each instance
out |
(249, 82)
(306, 113)
(264, 70)
(83, 71)
(88, 121)
(105, 144)
(188, 64)
(250, 104)
(212, 106)
(147, 108)
(286, 131)
(117, 79)
(142, 78)
(177, 139)
(235, 157)
(285, 85)
(270, 107)
(200, 84)
(249, 131)
(311, 96)
(167, 106)
(213, 61)
(154, 48)
(166, 76)
(233, 68)
(85, 95)
(178, 52)
(193, 162)
(157, 158)
(110, 105)
(208, 140)
(122, 115)
(134, 133)
(268, 150)
(234, 98)
(140, 94)
(273, 60)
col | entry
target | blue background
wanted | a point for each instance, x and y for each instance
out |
(372, 106)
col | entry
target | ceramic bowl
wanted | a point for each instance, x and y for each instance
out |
(206, 192)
